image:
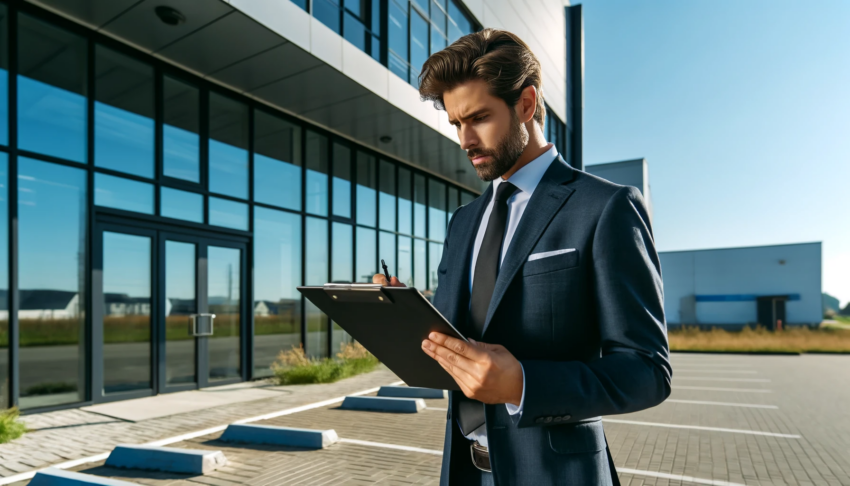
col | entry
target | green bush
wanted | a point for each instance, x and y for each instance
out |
(293, 367)
(10, 427)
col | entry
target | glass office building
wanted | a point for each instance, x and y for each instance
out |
(137, 194)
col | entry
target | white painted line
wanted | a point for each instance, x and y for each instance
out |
(709, 388)
(697, 427)
(192, 435)
(709, 370)
(704, 378)
(725, 404)
(676, 477)
(437, 408)
(392, 446)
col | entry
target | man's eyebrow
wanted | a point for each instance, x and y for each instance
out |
(471, 115)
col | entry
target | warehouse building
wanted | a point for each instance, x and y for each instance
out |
(162, 161)
(633, 173)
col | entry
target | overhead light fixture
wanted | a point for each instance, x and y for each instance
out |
(170, 16)
(386, 139)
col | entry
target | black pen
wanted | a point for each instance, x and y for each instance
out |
(386, 272)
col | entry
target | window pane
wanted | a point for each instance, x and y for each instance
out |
(459, 25)
(317, 174)
(376, 17)
(180, 129)
(419, 205)
(223, 289)
(327, 12)
(423, 4)
(357, 7)
(4, 279)
(317, 274)
(405, 260)
(438, 41)
(301, 3)
(397, 66)
(367, 264)
(386, 202)
(466, 198)
(229, 214)
(183, 205)
(277, 161)
(228, 147)
(342, 258)
(435, 251)
(127, 312)
(123, 114)
(4, 97)
(367, 185)
(420, 273)
(120, 193)
(355, 32)
(52, 239)
(397, 21)
(342, 181)
(386, 250)
(180, 303)
(453, 202)
(436, 210)
(405, 202)
(277, 271)
(418, 45)
(51, 90)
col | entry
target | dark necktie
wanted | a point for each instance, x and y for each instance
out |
(471, 412)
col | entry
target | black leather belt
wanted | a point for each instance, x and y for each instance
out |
(480, 456)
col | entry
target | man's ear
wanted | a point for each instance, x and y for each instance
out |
(527, 104)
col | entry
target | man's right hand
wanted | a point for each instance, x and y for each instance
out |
(382, 279)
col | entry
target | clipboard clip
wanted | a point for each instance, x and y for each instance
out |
(365, 293)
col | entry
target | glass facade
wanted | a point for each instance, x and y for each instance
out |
(556, 133)
(147, 198)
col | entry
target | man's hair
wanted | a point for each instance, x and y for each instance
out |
(497, 57)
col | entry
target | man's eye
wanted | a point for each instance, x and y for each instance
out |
(480, 118)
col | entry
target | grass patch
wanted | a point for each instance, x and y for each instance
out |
(293, 367)
(10, 427)
(761, 340)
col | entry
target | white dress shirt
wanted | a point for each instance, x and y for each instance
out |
(525, 180)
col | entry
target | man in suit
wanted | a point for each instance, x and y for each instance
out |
(553, 276)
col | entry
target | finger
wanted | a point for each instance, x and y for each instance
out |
(450, 356)
(461, 376)
(457, 345)
(379, 278)
(394, 282)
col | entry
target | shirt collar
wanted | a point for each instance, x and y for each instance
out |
(527, 178)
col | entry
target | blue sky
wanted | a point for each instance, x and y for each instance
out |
(742, 110)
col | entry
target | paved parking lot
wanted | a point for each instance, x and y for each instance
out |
(731, 419)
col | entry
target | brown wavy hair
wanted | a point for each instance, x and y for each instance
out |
(498, 57)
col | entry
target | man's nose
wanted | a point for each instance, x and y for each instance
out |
(468, 138)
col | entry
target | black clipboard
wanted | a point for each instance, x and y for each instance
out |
(391, 322)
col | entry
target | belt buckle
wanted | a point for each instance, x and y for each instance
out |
(480, 456)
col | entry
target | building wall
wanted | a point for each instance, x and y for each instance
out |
(694, 281)
(633, 173)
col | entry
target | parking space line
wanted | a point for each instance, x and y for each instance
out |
(705, 370)
(699, 427)
(676, 477)
(437, 408)
(711, 388)
(710, 378)
(725, 404)
(391, 446)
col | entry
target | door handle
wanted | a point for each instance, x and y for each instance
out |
(201, 324)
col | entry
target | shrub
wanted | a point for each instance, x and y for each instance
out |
(10, 427)
(294, 367)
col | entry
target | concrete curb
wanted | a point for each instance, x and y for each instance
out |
(282, 436)
(59, 477)
(384, 404)
(410, 392)
(166, 459)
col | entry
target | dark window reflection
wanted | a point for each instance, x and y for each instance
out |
(453, 201)
(4, 86)
(123, 114)
(227, 213)
(342, 180)
(459, 25)
(420, 276)
(180, 129)
(120, 193)
(367, 263)
(436, 210)
(397, 23)
(367, 185)
(327, 12)
(405, 202)
(184, 205)
(126, 312)
(466, 198)
(418, 45)
(52, 241)
(317, 174)
(51, 90)
(435, 253)
(317, 274)
(419, 199)
(405, 260)
(180, 303)
(228, 147)
(4, 279)
(277, 271)
(386, 201)
(386, 250)
(342, 258)
(277, 161)
(224, 282)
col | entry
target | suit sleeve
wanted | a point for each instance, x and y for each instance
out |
(633, 372)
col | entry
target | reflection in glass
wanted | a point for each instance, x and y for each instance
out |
(453, 201)
(418, 45)
(367, 263)
(4, 279)
(180, 129)
(51, 90)
(459, 25)
(184, 205)
(4, 113)
(227, 213)
(277, 271)
(438, 41)
(317, 173)
(327, 12)
(419, 205)
(277, 161)
(367, 185)
(435, 254)
(405, 260)
(342, 246)
(386, 201)
(386, 250)
(120, 193)
(123, 114)
(52, 241)
(317, 274)
(397, 23)
(180, 303)
(342, 181)
(405, 202)
(420, 276)
(223, 291)
(466, 198)
(228, 147)
(436, 210)
(126, 312)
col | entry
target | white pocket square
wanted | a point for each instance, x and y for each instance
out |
(547, 254)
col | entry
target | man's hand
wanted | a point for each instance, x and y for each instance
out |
(382, 279)
(485, 372)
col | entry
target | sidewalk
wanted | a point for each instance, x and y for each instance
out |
(57, 437)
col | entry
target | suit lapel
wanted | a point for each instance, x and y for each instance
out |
(549, 195)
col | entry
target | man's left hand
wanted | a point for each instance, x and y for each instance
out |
(485, 372)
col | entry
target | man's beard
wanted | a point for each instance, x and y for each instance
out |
(505, 154)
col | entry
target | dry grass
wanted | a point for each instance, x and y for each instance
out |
(294, 367)
(760, 340)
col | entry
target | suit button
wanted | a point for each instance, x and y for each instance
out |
(557, 419)
(548, 419)
(538, 420)
(567, 417)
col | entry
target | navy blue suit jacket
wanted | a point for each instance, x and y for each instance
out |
(588, 327)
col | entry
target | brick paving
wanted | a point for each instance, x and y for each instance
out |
(810, 390)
